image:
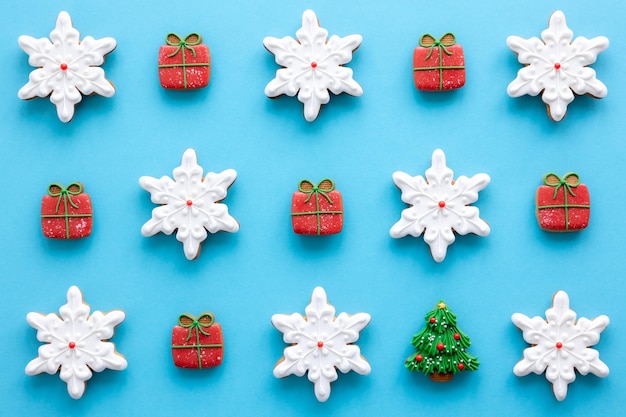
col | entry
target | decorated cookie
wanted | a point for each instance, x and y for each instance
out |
(556, 67)
(312, 65)
(439, 206)
(441, 347)
(190, 204)
(184, 63)
(66, 213)
(438, 64)
(75, 343)
(562, 203)
(321, 343)
(197, 342)
(316, 209)
(67, 67)
(560, 345)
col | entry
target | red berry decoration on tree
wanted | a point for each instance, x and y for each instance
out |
(440, 347)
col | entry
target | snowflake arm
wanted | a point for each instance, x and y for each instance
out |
(66, 67)
(312, 66)
(189, 204)
(557, 67)
(321, 344)
(439, 206)
(75, 343)
(560, 345)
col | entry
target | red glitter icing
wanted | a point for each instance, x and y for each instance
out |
(553, 219)
(307, 224)
(197, 76)
(188, 358)
(54, 224)
(428, 80)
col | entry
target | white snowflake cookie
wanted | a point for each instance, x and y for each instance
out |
(321, 343)
(189, 204)
(66, 67)
(560, 344)
(439, 206)
(556, 66)
(76, 343)
(312, 65)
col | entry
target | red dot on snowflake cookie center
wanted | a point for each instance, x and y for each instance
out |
(189, 203)
(71, 345)
(313, 64)
(557, 65)
(442, 204)
(559, 345)
(63, 66)
(320, 344)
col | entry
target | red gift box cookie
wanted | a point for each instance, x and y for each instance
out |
(562, 203)
(66, 213)
(438, 64)
(317, 209)
(184, 64)
(197, 342)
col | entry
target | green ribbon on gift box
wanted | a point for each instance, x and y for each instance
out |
(429, 41)
(191, 40)
(568, 181)
(324, 187)
(197, 326)
(65, 194)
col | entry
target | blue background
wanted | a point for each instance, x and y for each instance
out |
(265, 268)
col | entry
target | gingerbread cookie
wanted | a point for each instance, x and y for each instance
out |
(66, 212)
(317, 209)
(560, 345)
(438, 64)
(439, 206)
(562, 203)
(184, 63)
(312, 65)
(190, 204)
(557, 67)
(441, 347)
(197, 342)
(321, 343)
(75, 343)
(67, 67)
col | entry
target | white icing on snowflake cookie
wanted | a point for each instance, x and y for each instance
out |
(321, 343)
(557, 66)
(76, 343)
(560, 345)
(190, 204)
(66, 67)
(439, 206)
(312, 66)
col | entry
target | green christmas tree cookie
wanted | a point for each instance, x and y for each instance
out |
(440, 348)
